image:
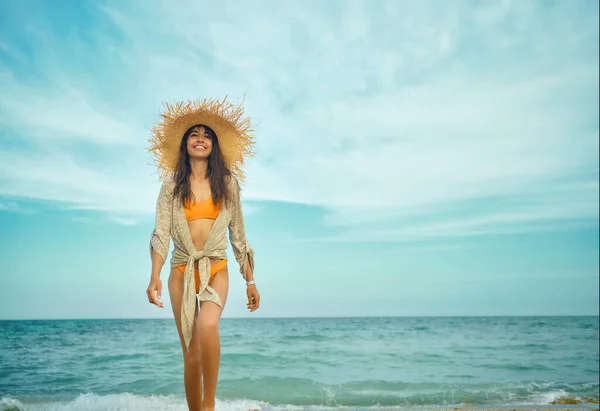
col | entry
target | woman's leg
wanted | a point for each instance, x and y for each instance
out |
(208, 324)
(192, 360)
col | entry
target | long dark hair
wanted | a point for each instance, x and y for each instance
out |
(216, 171)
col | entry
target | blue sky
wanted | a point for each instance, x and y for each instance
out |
(413, 157)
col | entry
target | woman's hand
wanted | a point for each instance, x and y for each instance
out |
(155, 285)
(253, 297)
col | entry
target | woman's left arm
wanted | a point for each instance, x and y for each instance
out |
(244, 253)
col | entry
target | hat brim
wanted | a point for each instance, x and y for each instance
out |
(233, 132)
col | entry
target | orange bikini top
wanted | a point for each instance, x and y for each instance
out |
(202, 209)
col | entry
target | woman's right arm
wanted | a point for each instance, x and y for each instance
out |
(160, 242)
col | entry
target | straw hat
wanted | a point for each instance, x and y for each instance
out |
(233, 132)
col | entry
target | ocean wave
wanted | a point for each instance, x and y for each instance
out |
(369, 393)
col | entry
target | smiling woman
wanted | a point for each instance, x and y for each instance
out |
(200, 147)
(200, 143)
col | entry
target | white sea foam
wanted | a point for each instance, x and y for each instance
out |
(126, 402)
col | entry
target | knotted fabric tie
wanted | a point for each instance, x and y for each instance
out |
(206, 292)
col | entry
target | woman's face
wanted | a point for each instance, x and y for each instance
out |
(199, 144)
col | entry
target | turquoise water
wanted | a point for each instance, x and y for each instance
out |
(304, 363)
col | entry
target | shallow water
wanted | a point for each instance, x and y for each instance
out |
(305, 363)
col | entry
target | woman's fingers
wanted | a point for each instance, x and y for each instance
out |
(152, 299)
(253, 300)
(157, 300)
(256, 302)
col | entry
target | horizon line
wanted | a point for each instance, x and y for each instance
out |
(308, 317)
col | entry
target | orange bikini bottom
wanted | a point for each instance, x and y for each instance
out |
(213, 270)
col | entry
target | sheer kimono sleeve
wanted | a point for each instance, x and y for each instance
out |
(160, 240)
(244, 253)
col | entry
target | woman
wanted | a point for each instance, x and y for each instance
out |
(200, 148)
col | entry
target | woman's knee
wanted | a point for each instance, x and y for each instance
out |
(193, 359)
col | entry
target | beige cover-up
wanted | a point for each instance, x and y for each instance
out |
(172, 223)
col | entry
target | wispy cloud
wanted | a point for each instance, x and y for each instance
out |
(376, 111)
(10, 206)
(62, 112)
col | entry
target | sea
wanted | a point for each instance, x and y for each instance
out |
(268, 364)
